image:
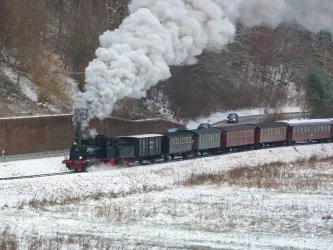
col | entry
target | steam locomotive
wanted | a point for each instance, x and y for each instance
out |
(184, 143)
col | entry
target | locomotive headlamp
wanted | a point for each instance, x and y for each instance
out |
(80, 157)
(74, 143)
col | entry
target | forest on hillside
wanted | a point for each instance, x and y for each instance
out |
(263, 67)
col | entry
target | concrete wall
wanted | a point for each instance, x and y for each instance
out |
(24, 135)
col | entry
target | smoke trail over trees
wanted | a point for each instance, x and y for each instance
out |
(162, 33)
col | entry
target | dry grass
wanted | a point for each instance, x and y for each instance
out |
(37, 203)
(259, 176)
(277, 175)
(9, 241)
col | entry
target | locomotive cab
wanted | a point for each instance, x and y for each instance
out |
(81, 156)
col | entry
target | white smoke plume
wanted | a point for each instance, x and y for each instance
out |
(162, 33)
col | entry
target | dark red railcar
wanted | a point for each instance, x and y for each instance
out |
(308, 130)
(270, 133)
(237, 136)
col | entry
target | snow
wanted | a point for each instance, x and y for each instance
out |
(26, 86)
(219, 116)
(32, 167)
(32, 116)
(148, 206)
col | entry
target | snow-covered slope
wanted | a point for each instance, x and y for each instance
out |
(19, 95)
(153, 207)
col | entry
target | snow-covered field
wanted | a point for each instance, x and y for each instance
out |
(220, 116)
(230, 201)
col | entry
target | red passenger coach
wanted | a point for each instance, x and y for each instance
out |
(237, 136)
(270, 133)
(308, 130)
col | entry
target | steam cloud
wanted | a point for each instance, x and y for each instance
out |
(162, 33)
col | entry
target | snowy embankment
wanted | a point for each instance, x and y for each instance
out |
(138, 178)
(32, 167)
(284, 205)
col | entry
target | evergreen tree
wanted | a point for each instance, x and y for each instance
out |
(319, 94)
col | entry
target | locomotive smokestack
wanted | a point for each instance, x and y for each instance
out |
(78, 133)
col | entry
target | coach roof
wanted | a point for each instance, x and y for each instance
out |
(270, 125)
(307, 122)
(205, 131)
(237, 127)
(178, 133)
(141, 136)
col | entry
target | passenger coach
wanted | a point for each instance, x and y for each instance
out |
(206, 140)
(270, 133)
(178, 143)
(308, 130)
(237, 136)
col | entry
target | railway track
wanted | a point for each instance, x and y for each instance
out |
(36, 176)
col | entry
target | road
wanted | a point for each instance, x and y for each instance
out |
(261, 118)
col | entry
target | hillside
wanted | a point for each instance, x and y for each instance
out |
(43, 58)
